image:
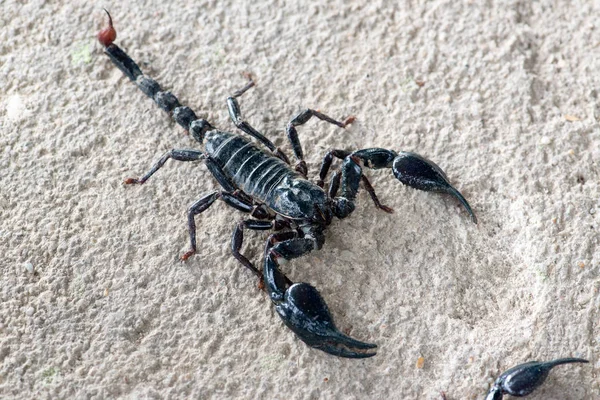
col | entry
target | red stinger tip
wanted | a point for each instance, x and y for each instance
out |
(107, 35)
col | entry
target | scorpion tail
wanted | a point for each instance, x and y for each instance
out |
(420, 173)
(304, 311)
(166, 100)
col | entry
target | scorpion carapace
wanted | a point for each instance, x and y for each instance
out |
(262, 183)
(523, 379)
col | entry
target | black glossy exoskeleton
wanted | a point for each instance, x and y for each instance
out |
(523, 379)
(263, 184)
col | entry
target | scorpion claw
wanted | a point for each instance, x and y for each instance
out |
(525, 378)
(420, 173)
(304, 311)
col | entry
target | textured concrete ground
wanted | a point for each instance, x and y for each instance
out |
(503, 95)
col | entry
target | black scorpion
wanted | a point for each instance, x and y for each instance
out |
(264, 185)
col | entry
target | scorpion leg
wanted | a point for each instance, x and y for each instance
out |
(188, 155)
(238, 237)
(292, 133)
(374, 197)
(326, 164)
(279, 237)
(334, 184)
(235, 200)
(301, 306)
(199, 206)
(179, 155)
(220, 175)
(525, 378)
(236, 116)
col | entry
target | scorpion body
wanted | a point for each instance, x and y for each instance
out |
(263, 176)
(250, 169)
(262, 183)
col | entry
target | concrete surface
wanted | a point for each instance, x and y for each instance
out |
(503, 95)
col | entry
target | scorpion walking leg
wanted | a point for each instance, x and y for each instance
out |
(238, 237)
(188, 155)
(236, 116)
(235, 200)
(326, 164)
(279, 237)
(334, 184)
(179, 155)
(374, 197)
(220, 175)
(292, 133)
(301, 306)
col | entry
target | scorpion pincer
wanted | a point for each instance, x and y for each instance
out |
(278, 196)
(523, 379)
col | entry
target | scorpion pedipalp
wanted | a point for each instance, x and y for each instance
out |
(303, 310)
(525, 378)
(420, 173)
(409, 168)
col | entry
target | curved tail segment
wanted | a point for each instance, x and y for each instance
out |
(167, 101)
(304, 311)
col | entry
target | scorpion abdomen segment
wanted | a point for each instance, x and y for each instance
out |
(249, 168)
